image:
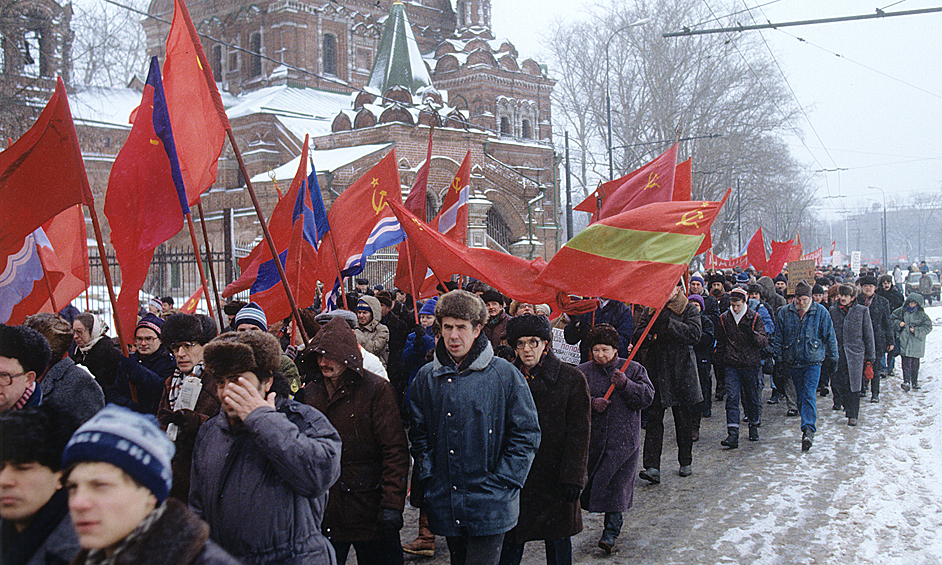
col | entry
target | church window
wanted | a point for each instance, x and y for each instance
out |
(32, 58)
(505, 126)
(329, 54)
(216, 63)
(498, 229)
(527, 133)
(255, 65)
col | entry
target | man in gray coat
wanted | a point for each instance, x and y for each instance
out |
(854, 332)
(475, 432)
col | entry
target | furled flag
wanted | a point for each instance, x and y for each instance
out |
(58, 251)
(298, 217)
(755, 250)
(636, 256)
(41, 174)
(362, 222)
(416, 202)
(144, 178)
(189, 307)
(196, 111)
(654, 182)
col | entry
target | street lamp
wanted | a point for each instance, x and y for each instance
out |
(608, 97)
(886, 264)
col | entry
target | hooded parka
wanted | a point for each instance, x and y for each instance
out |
(374, 336)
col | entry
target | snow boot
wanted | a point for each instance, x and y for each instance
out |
(424, 544)
(732, 440)
(753, 432)
(613, 523)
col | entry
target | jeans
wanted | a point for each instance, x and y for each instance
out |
(747, 380)
(806, 385)
(475, 550)
(840, 386)
(704, 369)
(558, 552)
(910, 369)
(385, 550)
(654, 434)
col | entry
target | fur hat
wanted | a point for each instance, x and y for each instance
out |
(885, 278)
(802, 289)
(492, 296)
(754, 288)
(57, 332)
(237, 352)
(603, 334)
(462, 305)
(845, 289)
(27, 346)
(867, 279)
(716, 278)
(528, 325)
(232, 308)
(780, 278)
(251, 314)
(188, 327)
(817, 289)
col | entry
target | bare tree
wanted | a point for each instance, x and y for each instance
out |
(109, 46)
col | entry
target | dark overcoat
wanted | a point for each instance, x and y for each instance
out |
(667, 352)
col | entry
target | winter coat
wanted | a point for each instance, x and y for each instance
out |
(880, 317)
(188, 423)
(374, 337)
(262, 485)
(49, 539)
(769, 295)
(740, 345)
(704, 347)
(802, 342)
(562, 404)
(614, 313)
(73, 389)
(854, 332)
(893, 296)
(615, 443)
(912, 343)
(496, 330)
(474, 434)
(398, 333)
(178, 537)
(420, 345)
(116, 374)
(667, 352)
(374, 459)
(925, 285)
(162, 364)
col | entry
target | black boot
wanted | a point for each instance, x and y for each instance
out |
(613, 523)
(732, 440)
(753, 432)
(807, 438)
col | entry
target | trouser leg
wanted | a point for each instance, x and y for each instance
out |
(512, 552)
(751, 402)
(558, 551)
(653, 435)
(805, 380)
(733, 388)
(684, 434)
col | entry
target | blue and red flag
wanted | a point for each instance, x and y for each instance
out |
(144, 179)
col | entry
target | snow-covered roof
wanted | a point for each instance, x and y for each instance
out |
(289, 101)
(398, 60)
(325, 161)
(104, 106)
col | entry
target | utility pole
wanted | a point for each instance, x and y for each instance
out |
(738, 215)
(568, 193)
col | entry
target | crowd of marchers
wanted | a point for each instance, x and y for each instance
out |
(247, 446)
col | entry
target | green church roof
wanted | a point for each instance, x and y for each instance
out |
(398, 61)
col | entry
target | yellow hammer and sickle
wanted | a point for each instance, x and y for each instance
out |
(456, 184)
(690, 218)
(382, 201)
(651, 184)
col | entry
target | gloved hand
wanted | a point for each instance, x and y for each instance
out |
(569, 492)
(185, 419)
(599, 404)
(390, 520)
(619, 380)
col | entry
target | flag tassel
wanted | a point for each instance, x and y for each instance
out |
(209, 261)
(271, 243)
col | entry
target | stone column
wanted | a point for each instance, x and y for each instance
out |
(477, 219)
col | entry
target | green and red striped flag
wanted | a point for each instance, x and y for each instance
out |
(636, 256)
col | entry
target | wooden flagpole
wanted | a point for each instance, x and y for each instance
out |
(212, 270)
(415, 303)
(271, 243)
(199, 264)
(107, 269)
(52, 299)
(631, 355)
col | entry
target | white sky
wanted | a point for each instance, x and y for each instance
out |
(883, 132)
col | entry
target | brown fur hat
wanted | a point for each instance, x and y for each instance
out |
(605, 334)
(461, 305)
(237, 352)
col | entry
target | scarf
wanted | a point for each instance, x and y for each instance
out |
(531, 372)
(100, 557)
(739, 316)
(97, 332)
(176, 383)
(26, 396)
(910, 308)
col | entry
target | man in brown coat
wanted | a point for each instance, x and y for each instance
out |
(364, 508)
(549, 501)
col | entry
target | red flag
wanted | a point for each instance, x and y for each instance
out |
(755, 250)
(41, 174)
(795, 253)
(145, 177)
(778, 257)
(196, 111)
(654, 182)
(416, 203)
(636, 256)
(683, 181)
(189, 307)
(715, 262)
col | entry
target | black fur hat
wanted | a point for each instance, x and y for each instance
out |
(27, 346)
(528, 325)
(604, 334)
(492, 296)
(188, 327)
(237, 352)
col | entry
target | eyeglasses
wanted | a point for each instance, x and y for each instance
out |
(188, 345)
(532, 343)
(6, 379)
(149, 339)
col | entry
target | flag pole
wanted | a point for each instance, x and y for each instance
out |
(107, 270)
(415, 303)
(209, 260)
(634, 349)
(52, 299)
(266, 233)
(199, 263)
(343, 292)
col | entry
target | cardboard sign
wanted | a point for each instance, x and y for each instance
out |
(855, 262)
(566, 353)
(800, 270)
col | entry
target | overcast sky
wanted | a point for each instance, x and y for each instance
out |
(870, 109)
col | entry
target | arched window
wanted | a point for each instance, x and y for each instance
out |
(505, 126)
(32, 54)
(329, 54)
(255, 46)
(498, 229)
(527, 133)
(216, 63)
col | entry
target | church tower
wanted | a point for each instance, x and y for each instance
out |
(473, 14)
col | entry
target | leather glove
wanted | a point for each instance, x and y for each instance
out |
(569, 492)
(599, 404)
(390, 520)
(186, 420)
(619, 380)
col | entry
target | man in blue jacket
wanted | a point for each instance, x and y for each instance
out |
(804, 339)
(474, 434)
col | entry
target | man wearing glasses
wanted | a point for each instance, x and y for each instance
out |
(24, 356)
(151, 354)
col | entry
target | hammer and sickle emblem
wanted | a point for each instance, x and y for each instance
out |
(377, 206)
(690, 218)
(456, 184)
(651, 184)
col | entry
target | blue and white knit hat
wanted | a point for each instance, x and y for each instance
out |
(253, 314)
(128, 440)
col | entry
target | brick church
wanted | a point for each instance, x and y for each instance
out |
(360, 77)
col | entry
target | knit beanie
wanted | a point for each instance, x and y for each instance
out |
(253, 314)
(156, 303)
(802, 289)
(696, 278)
(528, 325)
(150, 322)
(128, 440)
(738, 294)
(698, 299)
(818, 289)
(428, 309)
(780, 278)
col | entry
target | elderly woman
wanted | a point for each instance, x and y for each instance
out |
(615, 440)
